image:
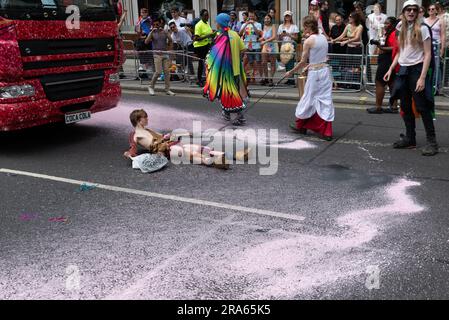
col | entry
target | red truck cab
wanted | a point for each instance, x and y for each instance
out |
(53, 69)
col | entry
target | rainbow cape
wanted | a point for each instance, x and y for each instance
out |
(220, 80)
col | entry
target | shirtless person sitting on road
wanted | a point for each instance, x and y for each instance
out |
(162, 144)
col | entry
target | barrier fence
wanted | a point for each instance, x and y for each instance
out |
(131, 65)
(354, 71)
(446, 76)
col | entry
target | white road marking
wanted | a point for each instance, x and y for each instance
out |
(159, 195)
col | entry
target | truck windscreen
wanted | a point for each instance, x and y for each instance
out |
(89, 10)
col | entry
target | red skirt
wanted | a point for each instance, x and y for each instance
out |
(316, 124)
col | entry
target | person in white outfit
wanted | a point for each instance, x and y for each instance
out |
(375, 24)
(315, 110)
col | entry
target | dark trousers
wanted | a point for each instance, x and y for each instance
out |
(201, 52)
(408, 77)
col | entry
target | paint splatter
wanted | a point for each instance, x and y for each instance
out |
(295, 265)
(369, 154)
(295, 145)
(58, 219)
(28, 216)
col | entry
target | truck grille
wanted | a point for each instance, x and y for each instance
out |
(53, 47)
(66, 63)
(72, 85)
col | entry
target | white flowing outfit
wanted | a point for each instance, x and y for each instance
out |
(317, 96)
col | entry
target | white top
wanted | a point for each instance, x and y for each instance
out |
(292, 29)
(436, 29)
(409, 55)
(182, 37)
(178, 21)
(319, 51)
(375, 23)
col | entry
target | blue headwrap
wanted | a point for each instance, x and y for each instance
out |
(223, 20)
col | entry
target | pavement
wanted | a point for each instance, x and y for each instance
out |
(282, 92)
(347, 219)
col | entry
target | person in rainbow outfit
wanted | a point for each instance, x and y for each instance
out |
(226, 79)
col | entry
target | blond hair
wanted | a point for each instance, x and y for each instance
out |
(416, 34)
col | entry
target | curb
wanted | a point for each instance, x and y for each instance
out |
(339, 99)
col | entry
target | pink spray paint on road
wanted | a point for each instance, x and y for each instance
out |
(288, 266)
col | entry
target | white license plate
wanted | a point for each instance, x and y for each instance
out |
(76, 117)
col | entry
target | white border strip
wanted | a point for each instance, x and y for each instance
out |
(159, 195)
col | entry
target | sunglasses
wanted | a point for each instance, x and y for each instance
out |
(412, 10)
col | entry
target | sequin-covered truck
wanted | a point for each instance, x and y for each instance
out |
(59, 61)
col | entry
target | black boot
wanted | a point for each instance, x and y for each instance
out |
(405, 143)
(239, 120)
(431, 148)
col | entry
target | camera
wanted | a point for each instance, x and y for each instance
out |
(374, 42)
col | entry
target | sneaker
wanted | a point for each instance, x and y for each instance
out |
(430, 149)
(240, 120)
(151, 91)
(375, 110)
(226, 115)
(404, 143)
(170, 93)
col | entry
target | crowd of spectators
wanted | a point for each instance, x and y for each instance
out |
(273, 45)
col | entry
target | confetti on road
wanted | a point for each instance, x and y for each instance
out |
(87, 187)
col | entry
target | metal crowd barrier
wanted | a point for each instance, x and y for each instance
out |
(351, 72)
(348, 69)
(270, 63)
(438, 77)
(446, 76)
(441, 76)
(183, 64)
(370, 82)
(129, 69)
